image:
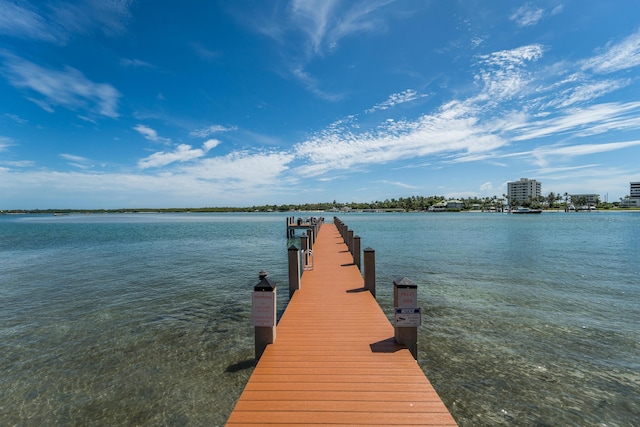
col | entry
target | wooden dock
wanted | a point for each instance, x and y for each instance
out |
(335, 360)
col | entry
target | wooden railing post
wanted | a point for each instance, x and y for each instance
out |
(370, 270)
(312, 237)
(263, 313)
(407, 314)
(356, 251)
(294, 269)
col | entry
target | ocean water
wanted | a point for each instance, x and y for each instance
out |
(144, 319)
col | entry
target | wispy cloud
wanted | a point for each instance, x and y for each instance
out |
(109, 17)
(74, 158)
(586, 92)
(5, 142)
(203, 52)
(17, 119)
(527, 15)
(67, 88)
(616, 57)
(543, 154)
(210, 130)
(77, 161)
(135, 63)
(182, 153)
(395, 99)
(595, 119)
(400, 184)
(240, 169)
(310, 29)
(56, 23)
(23, 21)
(150, 134)
(509, 107)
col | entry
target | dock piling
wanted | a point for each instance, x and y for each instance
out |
(407, 314)
(356, 251)
(370, 270)
(263, 313)
(294, 269)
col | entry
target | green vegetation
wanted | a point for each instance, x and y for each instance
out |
(408, 204)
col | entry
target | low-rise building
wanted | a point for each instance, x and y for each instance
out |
(585, 199)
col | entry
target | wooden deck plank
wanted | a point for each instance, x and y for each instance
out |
(334, 360)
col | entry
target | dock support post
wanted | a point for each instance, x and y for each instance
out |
(312, 237)
(294, 269)
(356, 251)
(370, 270)
(405, 296)
(263, 313)
(350, 241)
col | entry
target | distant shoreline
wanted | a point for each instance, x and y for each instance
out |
(61, 212)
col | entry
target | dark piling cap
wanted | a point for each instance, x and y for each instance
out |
(266, 284)
(404, 283)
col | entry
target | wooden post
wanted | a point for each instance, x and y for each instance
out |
(304, 245)
(263, 313)
(356, 251)
(294, 269)
(312, 237)
(350, 241)
(405, 302)
(370, 270)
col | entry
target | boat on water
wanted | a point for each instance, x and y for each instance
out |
(523, 210)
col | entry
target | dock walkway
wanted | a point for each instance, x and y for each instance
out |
(334, 360)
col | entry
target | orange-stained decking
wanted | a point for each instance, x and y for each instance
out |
(334, 360)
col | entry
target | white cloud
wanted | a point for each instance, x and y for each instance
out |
(110, 17)
(527, 15)
(56, 23)
(135, 63)
(242, 169)
(452, 129)
(19, 120)
(503, 75)
(395, 99)
(579, 93)
(210, 130)
(23, 22)
(308, 29)
(595, 119)
(67, 88)
(5, 142)
(182, 153)
(210, 144)
(77, 161)
(620, 56)
(73, 158)
(150, 134)
(583, 149)
(401, 184)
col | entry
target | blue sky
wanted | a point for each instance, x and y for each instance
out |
(149, 103)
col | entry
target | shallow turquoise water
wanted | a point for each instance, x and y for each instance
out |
(144, 319)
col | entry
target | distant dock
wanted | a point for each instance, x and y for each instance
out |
(336, 359)
(294, 224)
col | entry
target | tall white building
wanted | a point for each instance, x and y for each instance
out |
(634, 196)
(525, 190)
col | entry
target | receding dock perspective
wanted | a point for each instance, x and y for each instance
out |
(334, 357)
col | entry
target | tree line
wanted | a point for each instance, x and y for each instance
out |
(412, 203)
